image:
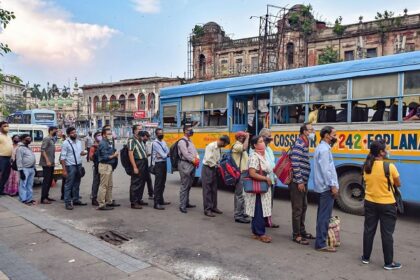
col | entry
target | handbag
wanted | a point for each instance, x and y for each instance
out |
(81, 170)
(253, 186)
(397, 194)
(283, 169)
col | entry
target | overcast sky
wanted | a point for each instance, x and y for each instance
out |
(103, 40)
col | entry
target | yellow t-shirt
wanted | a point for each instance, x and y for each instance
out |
(6, 145)
(313, 117)
(377, 184)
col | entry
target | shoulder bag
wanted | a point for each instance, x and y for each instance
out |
(81, 170)
(254, 186)
(397, 194)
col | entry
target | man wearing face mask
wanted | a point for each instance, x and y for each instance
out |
(148, 146)
(326, 185)
(189, 162)
(71, 160)
(6, 150)
(25, 161)
(160, 153)
(299, 186)
(47, 161)
(107, 155)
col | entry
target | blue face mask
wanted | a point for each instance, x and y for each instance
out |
(191, 132)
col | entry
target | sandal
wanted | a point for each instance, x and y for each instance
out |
(263, 238)
(327, 249)
(307, 236)
(300, 240)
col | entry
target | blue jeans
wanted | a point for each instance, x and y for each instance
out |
(325, 207)
(258, 221)
(72, 186)
(26, 186)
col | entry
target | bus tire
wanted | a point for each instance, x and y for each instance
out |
(351, 193)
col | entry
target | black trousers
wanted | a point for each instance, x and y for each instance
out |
(138, 181)
(299, 202)
(387, 215)
(5, 168)
(160, 181)
(209, 185)
(149, 185)
(95, 183)
(48, 174)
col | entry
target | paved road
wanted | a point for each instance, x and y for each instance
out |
(198, 247)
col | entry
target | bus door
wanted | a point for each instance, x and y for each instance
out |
(239, 115)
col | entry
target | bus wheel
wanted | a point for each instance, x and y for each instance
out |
(351, 193)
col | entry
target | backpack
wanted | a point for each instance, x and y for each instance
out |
(125, 160)
(95, 156)
(174, 155)
(283, 168)
(228, 171)
(397, 194)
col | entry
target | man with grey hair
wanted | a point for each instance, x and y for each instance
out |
(266, 134)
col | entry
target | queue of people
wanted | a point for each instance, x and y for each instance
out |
(254, 160)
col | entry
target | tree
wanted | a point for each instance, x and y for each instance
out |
(5, 18)
(328, 55)
(386, 22)
(338, 28)
(198, 31)
(12, 103)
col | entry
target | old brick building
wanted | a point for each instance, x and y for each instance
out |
(298, 41)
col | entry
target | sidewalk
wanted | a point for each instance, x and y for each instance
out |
(35, 246)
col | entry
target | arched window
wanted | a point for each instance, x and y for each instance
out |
(95, 104)
(131, 102)
(113, 103)
(104, 103)
(142, 102)
(152, 102)
(121, 101)
(290, 52)
(202, 65)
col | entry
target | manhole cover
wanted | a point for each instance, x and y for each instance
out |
(114, 237)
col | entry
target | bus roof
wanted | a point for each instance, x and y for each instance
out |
(39, 111)
(333, 71)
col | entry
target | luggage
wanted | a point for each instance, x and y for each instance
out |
(333, 239)
(174, 155)
(283, 168)
(228, 170)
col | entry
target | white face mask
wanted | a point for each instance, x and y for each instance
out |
(311, 136)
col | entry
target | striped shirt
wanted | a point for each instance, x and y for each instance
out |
(300, 162)
(138, 148)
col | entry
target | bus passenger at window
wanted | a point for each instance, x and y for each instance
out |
(414, 112)
(313, 115)
(342, 115)
(380, 107)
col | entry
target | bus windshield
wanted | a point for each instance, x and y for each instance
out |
(44, 116)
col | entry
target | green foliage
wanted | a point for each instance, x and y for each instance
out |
(386, 22)
(338, 28)
(302, 20)
(198, 31)
(5, 18)
(12, 103)
(328, 55)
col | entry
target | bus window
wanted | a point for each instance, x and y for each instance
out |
(380, 92)
(328, 91)
(411, 96)
(170, 118)
(215, 113)
(26, 118)
(288, 114)
(37, 136)
(44, 116)
(191, 110)
(288, 94)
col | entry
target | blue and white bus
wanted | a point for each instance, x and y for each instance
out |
(376, 98)
(35, 116)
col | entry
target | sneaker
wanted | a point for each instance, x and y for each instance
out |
(392, 266)
(364, 261)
